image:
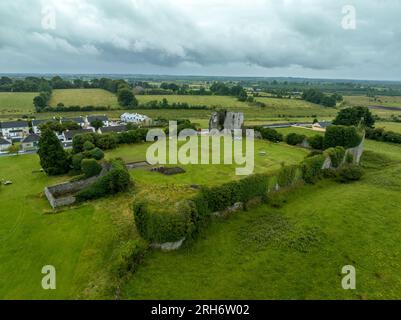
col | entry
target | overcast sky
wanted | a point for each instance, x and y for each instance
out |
(300, 38)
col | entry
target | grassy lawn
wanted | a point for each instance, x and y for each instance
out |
(296, 251)
(164, 191)
(83, 97)
(16, 103)
(389, 126)
(378, 101)
(79, 241)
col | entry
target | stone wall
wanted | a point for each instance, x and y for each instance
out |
(63, 194)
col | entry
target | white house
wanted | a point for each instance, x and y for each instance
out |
(135, 118)
(4, 144)
(15, 130)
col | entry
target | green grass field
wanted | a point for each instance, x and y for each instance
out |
(16, 103)
(83, 97)
(297, 251)
(80, 241)
(385, 101)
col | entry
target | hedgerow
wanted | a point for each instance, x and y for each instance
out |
(347, 137)
(336, 155)
(294, 139)
(287, 175)
(311, 168)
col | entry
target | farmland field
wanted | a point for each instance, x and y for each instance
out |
(83, 97)
(296, 251)
(16, 103)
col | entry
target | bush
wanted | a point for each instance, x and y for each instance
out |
(126, 258)
(342, 136)
(316, 142)
(79, 140)
(87, 146)
(287, 176)
(160, 227)
(336, 155)
(221, 197)
(312, 168)
(271, 134)
(380, 134)
(95, 153)
(106, 141)
(76, 161)
(349, 173)
(294, 139)
(90, 167)
(116, 180)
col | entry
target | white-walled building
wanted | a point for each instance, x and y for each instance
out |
(103, 118)
(14, 130)
(135, 118)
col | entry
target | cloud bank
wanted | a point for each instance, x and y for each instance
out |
(255, 37)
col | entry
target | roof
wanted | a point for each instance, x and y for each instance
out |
(31, 138)
(4, 141)
(76, 120)
(35, 122)
(102, 118)
(114, 129)
(72, 133)
(14, 124)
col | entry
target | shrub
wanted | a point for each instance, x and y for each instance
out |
(90, 167)
(336, 156)
(311, 168)
(116, 180)
(88, 146)
(76, 161)
(316, 142)
(106, 141)
(342, 136)
(349, 158)
(271, 134)
(294, 139)
(287, 176)
(126, 258)
(160, 227)
(349, 173)
(221, 197)
(79, 140)
(95, 153)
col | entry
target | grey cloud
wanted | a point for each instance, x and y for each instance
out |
(184, 35)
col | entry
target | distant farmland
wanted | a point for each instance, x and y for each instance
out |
(83, 97)
(16, 102)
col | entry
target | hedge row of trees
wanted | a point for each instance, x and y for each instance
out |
(191, 215)
(379, 134)
(318, 97)
(344, 136)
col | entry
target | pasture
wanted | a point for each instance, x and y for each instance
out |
(16, 103)
(83, 97)
(80, 241)
(296, 251)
